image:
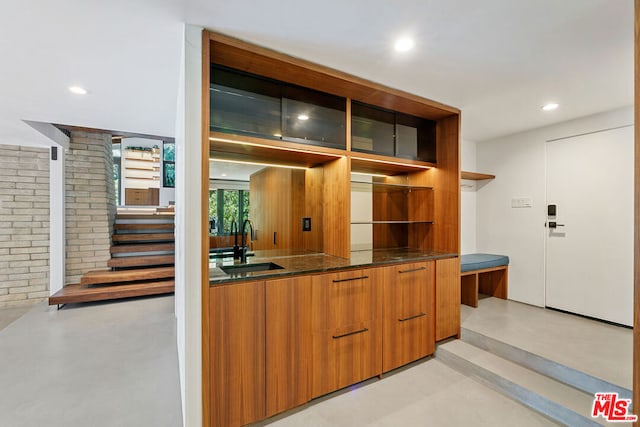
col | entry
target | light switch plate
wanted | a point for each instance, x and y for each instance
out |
(521, 202)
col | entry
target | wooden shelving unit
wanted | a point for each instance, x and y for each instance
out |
(414, 204)
(475, 176)
(141, 171)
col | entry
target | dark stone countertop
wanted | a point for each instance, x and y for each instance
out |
(306, 262)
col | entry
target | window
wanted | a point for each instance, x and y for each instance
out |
(169, 164)
(117, 162)
(225, 206)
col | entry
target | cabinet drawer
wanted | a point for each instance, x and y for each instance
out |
(345, 356)
(345, 300)
(347, 329)
(408, 325)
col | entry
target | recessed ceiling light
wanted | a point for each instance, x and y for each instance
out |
(403, 44)
(550, 106)
(277, 135)
(78, 90)
(223, 174)
(303, 117)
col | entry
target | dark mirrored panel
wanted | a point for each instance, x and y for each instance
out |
(372, 130)
(314, 118)
(244, 104)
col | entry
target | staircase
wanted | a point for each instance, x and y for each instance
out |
(558, 392)
(142, 262)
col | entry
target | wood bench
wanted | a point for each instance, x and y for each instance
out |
(483, 273)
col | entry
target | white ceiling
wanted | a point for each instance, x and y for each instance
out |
(497, 60)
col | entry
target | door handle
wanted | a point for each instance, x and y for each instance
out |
(348, 334)
(553, 224)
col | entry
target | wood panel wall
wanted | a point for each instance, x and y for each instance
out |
(313, 208)
(446, 185)
(337, 206)
(636, 235)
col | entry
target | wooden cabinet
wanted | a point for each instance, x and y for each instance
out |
(288, 343)
(237, 348)
(447, 298)
(346, 323)
(408, 326)
(141, 196)
(276, 208)
(277, 344)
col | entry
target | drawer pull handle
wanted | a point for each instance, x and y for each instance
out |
(350, 279)
(359, 331)
(415, 316)
(412, 270)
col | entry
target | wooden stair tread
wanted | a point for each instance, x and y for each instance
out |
(167, 216)
(145, 226)
(80, 293)
(143, 247)
(98, 277)
(138, 261)
(142, 237)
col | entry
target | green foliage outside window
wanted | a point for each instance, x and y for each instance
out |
(225, 206)
(169, 175)
(168, 164)
(169, 152)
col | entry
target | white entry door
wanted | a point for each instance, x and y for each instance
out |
(589, 255)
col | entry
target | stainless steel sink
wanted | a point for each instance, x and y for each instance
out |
(250, 268)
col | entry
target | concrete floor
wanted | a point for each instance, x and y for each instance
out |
(426, 394)
(115, 364)
(108, 364)
(9, 314)
(596, 348)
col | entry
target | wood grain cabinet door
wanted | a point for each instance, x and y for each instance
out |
(409, 315)
(288, 343)
(346, 322)
(237, 343)
(447, 298)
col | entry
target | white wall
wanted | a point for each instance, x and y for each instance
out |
(468, 199)
(57, 223)
(518, 161)
(188, 297)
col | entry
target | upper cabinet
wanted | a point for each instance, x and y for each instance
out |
(246, 104)
(388, 133)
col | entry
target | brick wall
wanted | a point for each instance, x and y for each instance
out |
(24, 225)
(90, 203)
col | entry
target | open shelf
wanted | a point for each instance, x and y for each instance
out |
(475, 176)
(250, 149)
(376, 164)
(137, 168)
(392, 222)
(384, 186)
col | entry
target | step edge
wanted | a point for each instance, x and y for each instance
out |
(542, 365)
(563, 394)
(60, 300)
(534, 401)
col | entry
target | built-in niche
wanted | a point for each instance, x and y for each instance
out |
(284, 205)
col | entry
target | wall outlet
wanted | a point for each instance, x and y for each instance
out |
(521, 202)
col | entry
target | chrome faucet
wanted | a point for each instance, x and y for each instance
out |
(243, 250)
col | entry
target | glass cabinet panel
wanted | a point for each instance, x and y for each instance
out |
(388, 133)
(372, 130)
(244, 104)
(314, 118)
(256, 106)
